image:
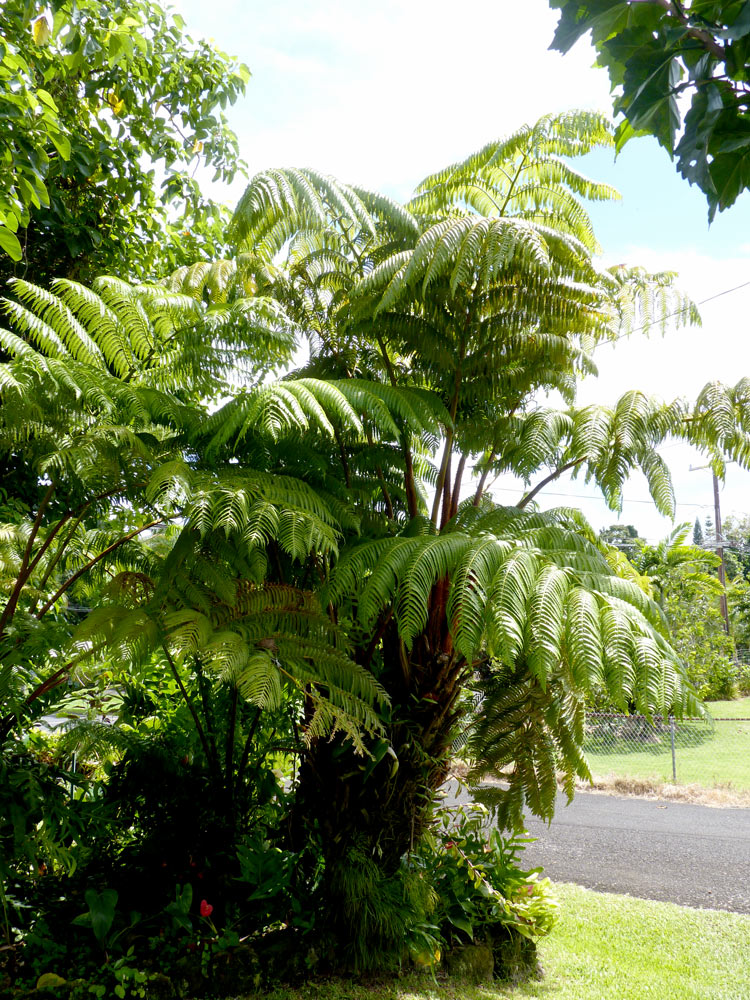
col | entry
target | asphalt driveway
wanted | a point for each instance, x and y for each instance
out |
(671, 851)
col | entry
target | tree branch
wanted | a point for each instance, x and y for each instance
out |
(92, 562)
(547, 480)
(706, 39)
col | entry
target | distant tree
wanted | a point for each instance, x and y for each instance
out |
(683, 578)
(624, 537)
(697, 533)
(709, 533)
(737, 550)
(660, 54)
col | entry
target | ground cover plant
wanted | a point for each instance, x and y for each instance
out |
(245, 613)
(605, 947)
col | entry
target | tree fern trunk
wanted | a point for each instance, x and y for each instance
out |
(383, 807)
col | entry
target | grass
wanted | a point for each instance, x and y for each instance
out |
(721, 760)
(737, 709)
(605, 947)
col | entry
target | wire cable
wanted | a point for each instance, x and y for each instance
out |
(677, 312)
(592, 496)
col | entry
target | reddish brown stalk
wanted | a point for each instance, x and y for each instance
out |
(446, 494)
(547, 480)
(412, 502)
(92, 562)
(24, 571)
(457, 488)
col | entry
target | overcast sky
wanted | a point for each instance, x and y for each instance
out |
(381, 94)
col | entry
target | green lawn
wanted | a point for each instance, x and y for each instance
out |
(722, 759)
(605, 947)
(737, 709)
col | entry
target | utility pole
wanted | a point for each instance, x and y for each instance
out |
(720, 554)
(719, 543)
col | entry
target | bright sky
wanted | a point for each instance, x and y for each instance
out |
(381, 94)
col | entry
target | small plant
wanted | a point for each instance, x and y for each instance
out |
(484, 895)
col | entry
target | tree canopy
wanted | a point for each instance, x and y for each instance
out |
(104, 108)
(660, 54)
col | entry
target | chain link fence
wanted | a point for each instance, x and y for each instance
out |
(704, 751)
(709, 752)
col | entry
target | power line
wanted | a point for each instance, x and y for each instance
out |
(677, 312)
(593, 496)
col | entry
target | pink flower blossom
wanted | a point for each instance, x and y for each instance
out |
(206, 909)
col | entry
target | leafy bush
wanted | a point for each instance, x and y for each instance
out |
(482, 892)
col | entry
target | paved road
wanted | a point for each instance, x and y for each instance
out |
(681, 853)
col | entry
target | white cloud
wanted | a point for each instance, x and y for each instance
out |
(382, 94)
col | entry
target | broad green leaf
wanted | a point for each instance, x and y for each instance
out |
(10, 244)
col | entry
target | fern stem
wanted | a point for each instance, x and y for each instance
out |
(247, 747)
(381, 480)
(190, 707)
(453, 410)
(213, 760)
(344, 461)
(229, 755)
(53, 681)
(379, 633)
(24, 571)
(513, 183)
(57, 556)
(412, 502)
(446, 493)
(92, 562)
(78, 513)
(457, 487)
(546, 481)
(58, 677)
(440, 484)
(483, 478)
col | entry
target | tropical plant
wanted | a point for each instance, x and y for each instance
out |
(684, 581)
(659, 53)
(482, 291)
(141, 584)
(102, 388)
(484, 895)
(308, 550)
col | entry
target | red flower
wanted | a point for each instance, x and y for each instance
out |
(206, 909)
(449, 844)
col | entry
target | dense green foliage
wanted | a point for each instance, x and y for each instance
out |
(658, 53)
(254, 607)
(103, 109)
(685, 583)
